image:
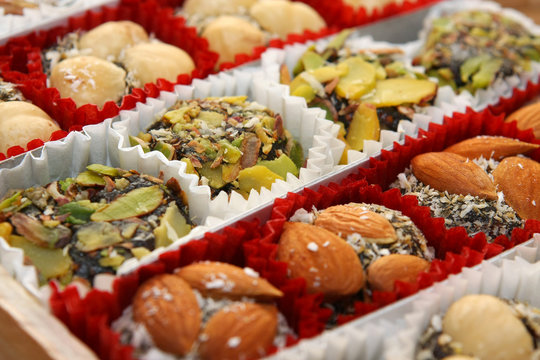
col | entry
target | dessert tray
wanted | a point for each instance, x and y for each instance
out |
(321, 194)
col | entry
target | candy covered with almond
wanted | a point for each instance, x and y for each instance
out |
(230, 143)
(331, 248)
(364, 92)
(90, 224)
(206, 310)
(479, 183)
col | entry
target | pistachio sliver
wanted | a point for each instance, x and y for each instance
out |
(104, 170)
(172, 226)
(51, 263)
(36, 232)
(135, 203)
(10, 200)
(79, 211)
(96, 236)
(89, 178)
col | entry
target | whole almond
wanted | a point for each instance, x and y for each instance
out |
(383, 272)
(487, 328)
(169, 310)
(454, 173)
(495, 147)
(344, 220)
(519, 180)
(219, 280)
(527, 117)
(239, 331)
(327, 263)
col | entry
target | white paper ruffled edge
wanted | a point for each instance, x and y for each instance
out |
(446, 102)
(317, 135)
(44, 16)
(501, 88)
(392, 332)
(67, 158)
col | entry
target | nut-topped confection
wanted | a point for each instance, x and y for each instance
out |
(230, 143)
(364, 91)
(220, 315)
(470, 49)
(109, 61)
(482, 327)
(21, 121)
(467, 189)
(332, 248)
(79, 227)
(238, 27)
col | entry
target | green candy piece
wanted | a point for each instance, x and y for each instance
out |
(471, 66)
(137, 202)
(483, 78)
(80, 211)
(297, 154)
(281, 166)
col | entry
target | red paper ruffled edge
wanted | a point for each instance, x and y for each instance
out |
(337, 13)
(20, 63)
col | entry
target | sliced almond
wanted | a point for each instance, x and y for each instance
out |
(495, 147)
(487, 328)
(383, 272)
(239, 331)
(519, 180)
(527, 117)
(344, 220)
(224, 280)
(327, 263)
(169, 310)
(454, 173)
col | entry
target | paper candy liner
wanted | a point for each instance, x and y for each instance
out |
(446, 103)
(339, 14)
(68, 158)
(316, 134)
(89, 318)
(43, 15)
(20, 62)
(504, 95)
(510, 277)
